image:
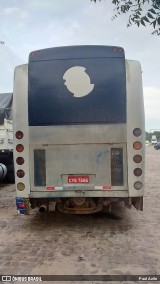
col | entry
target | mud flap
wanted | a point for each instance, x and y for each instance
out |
(137, 202)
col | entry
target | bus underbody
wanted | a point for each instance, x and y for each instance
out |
(76, 205)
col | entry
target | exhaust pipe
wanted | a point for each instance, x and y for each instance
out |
(3, 171)
(43, 208)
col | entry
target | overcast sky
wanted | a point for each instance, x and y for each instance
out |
(27, 25)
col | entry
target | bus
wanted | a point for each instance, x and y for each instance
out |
(79, 136)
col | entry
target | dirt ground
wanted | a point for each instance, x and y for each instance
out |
(54, 243)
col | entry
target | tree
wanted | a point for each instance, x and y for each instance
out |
(141, 12)
(149, 135)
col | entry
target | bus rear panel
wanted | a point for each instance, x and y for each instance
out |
(79, 146)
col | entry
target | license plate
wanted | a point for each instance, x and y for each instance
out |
(78, 179)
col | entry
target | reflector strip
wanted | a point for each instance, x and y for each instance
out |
(50, 187)
(102, 187)
(98, 187)
(106, 187)
(54, 188)
(21, 205)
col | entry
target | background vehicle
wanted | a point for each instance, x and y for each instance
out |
(154, 140)
(79, 145)
(157, 146)
(6, 137)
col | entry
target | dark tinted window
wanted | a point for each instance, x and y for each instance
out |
(51, 102)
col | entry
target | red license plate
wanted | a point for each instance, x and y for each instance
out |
(78, 179)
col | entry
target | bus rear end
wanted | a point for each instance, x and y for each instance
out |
(79, 142)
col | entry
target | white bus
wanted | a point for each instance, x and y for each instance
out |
(78, 130)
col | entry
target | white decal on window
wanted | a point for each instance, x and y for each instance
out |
(78, 81)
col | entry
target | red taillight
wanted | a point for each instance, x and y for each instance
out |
(19, 134)
(21, 205)
(34, 53)
(137, 159)
(115, 49)
(137, 145)
(137, 172)
(20, 173)
(20, 161)
(137, 132)
(19, 148)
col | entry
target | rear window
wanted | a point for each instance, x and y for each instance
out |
(77, 90)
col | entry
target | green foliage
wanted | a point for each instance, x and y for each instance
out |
(138, 14)
(149, 135)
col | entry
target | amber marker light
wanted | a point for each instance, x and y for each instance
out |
(20, 186)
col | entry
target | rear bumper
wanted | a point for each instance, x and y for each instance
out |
(78, 193)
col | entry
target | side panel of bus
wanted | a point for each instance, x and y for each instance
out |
(20, 123)
(135, 119)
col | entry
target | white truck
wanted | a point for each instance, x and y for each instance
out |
(154, 140)
(6, 138)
